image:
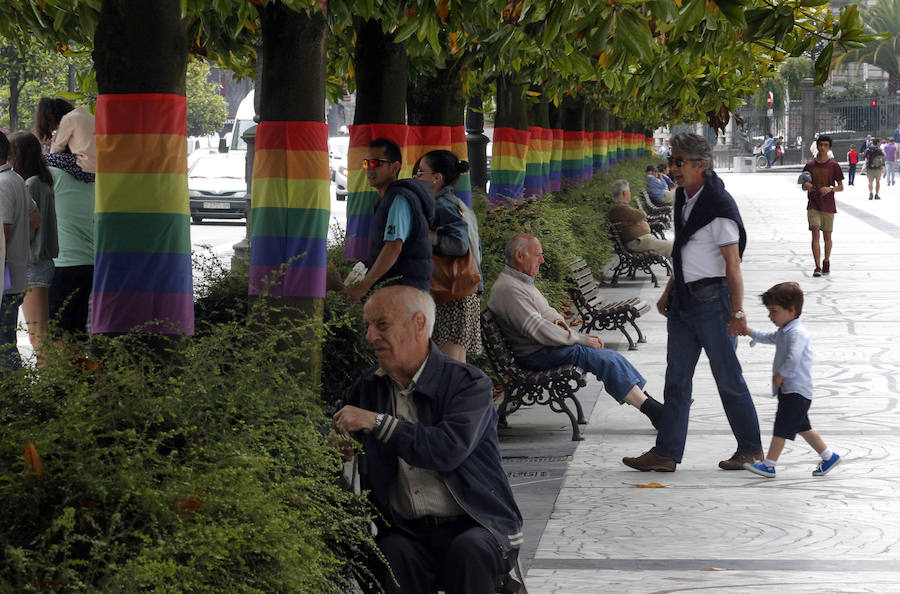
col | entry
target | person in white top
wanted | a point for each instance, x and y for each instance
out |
(63, 127)
(703, 303)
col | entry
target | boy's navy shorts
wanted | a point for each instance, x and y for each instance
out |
(791, 417)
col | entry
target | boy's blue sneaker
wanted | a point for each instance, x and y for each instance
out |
(826, 465)
(760, 468)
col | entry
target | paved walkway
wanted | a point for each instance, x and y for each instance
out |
(720, 531)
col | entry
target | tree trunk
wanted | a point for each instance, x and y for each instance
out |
(142, 277)
(435, 111)
(381, 76)
(573, 167)
(381, 79)
(15, 90)
(290, 202)
(511, 139)
(436, 100)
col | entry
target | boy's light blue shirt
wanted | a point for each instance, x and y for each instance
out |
(793, 357)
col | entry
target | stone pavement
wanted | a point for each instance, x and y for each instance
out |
(733, 531)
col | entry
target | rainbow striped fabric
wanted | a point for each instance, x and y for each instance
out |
(290, 209)
(142, 261)
(573, 158)
(361, 197)
(556, 159)
(508, 164)
(534, 164)
(460, 148)
(422, 139)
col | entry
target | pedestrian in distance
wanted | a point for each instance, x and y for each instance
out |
(703, 306)
(890, 160)
(767, 147)
(874, 167)
(852, 160)
(827, 179)
(791, 379)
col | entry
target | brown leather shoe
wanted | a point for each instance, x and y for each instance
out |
(736, 462)
(651, 461)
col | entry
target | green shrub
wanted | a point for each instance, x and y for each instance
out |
(205, 470)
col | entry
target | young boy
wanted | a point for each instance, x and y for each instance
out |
(791, 380)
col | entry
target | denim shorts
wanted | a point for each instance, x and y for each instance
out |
(40, 273)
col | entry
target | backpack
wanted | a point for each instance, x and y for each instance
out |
(877, 161)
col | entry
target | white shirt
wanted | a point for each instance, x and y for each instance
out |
(701, 256)
(793, 357)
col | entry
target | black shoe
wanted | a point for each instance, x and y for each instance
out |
(877, 197)
(870, 195)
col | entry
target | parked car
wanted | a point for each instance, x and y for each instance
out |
(218, 188)
(338, 147)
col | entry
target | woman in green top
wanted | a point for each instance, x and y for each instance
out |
(27, 160)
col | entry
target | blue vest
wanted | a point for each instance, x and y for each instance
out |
(413, 266)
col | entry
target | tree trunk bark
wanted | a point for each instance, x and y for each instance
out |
(381, 79)
(142, 277)
(436, 100)
(290, 202)
(15, 90)
(511, 140)
(381, 76)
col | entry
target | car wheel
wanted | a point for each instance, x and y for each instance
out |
(197, 219)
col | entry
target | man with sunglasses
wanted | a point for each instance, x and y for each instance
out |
(399, 245)
(703, 304)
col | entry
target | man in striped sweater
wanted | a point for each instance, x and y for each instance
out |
(540, 339)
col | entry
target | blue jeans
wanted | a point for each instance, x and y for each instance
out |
(768, 157)
(617, 374)
(701, 323)
(891, 169)
(10, 360)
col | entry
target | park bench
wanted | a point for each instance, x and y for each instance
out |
(597, 314)
(658, 217)
(524, 387)
(630, 262)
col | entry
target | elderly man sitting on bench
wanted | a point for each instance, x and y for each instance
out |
(540, 339)
(632, 225)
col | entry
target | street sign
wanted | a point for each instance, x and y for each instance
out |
(769, 98)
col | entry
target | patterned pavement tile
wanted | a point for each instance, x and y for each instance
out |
(720, 531)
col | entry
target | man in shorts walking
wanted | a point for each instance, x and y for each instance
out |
(827, 178)
(874, 167)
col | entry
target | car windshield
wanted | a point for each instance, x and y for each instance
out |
(212, 168)
(237, 141)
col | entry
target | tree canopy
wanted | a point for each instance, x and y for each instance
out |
(663, 60)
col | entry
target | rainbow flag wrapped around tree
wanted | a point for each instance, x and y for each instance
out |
(291, 209)
(142, 261)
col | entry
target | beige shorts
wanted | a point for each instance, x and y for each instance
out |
(874, 174)
(820, 220)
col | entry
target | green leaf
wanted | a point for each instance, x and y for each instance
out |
(823, 64)
(633, 34)
(733, 11)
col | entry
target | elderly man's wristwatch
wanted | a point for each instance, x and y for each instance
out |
(379, 421)
(738, 315)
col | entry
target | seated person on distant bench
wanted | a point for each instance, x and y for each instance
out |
(540, 339)
(632, 224)
(657, 188)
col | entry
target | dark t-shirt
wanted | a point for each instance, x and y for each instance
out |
(823, 174)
